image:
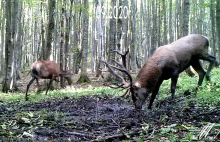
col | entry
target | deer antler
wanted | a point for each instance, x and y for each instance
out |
(123, 56)
(121, 68)
(111, 70)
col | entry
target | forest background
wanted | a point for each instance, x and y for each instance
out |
(77, 34)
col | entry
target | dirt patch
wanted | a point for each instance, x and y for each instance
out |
(97, 118)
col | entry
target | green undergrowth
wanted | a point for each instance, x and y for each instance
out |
(183, 133)
(207, 95)
(57, 94)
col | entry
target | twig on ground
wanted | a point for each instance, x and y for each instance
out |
(205, 131)
(81, 134)
(119, 136)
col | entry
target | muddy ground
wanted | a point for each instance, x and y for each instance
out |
(103, 118)
(99, 118)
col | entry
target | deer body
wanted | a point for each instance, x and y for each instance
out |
(47, 70)
(168, 62)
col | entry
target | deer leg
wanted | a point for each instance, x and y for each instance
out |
(28, 86)
(153, 95)
(38, 84)
(173, 85)
(48, 87)
(211, 60)
(198, 68)
(56, 80)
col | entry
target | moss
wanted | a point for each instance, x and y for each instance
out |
(83, 79)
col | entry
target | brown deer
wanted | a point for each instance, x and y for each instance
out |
(167, 62)
(47, 70)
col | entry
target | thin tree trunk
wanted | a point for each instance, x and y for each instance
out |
(140, 37)
(93, 40)
(43, 52)
(2, 37)
(76, 50)
(212, 16)
(67, 33)
(218, 27)
(164, 24)
(35, 40)
(62, 84)
(125, 41)
(57, 31)
(170, 22)
(14, 44)
(159, 21)
(186, 11)
(100, 36)
(133, 37)
(19, 39)
(154, 28)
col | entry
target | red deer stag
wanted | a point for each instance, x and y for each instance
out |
(47, 70)
(167, 62)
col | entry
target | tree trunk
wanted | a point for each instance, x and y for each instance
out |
(125, 41)
(133, 37)
(186, 11)
(100, 36)
(185, 27)
(57, 31)
(164, 24)
(2, 66)
(14, 44)
(77, 54)
(154, 28)
(93, 39)
(159, 21)
(212, 16)
(19, 41)
(139, 65)
(62, 83)
(170, 22)
(43, 49)
(112, 35)
(50, 29)
(67, 33)
(83, 76)
(218, 27)
(9, 55)
(147, 20)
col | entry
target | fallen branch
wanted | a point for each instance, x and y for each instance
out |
(81, 134)
(122, 136)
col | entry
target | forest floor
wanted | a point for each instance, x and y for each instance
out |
(108, 118)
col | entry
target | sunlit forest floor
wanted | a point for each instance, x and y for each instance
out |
(91, 112)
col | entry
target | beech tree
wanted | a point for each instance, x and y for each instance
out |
(218, 26)
(83, 75)
(50, 29)
(9, 81)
